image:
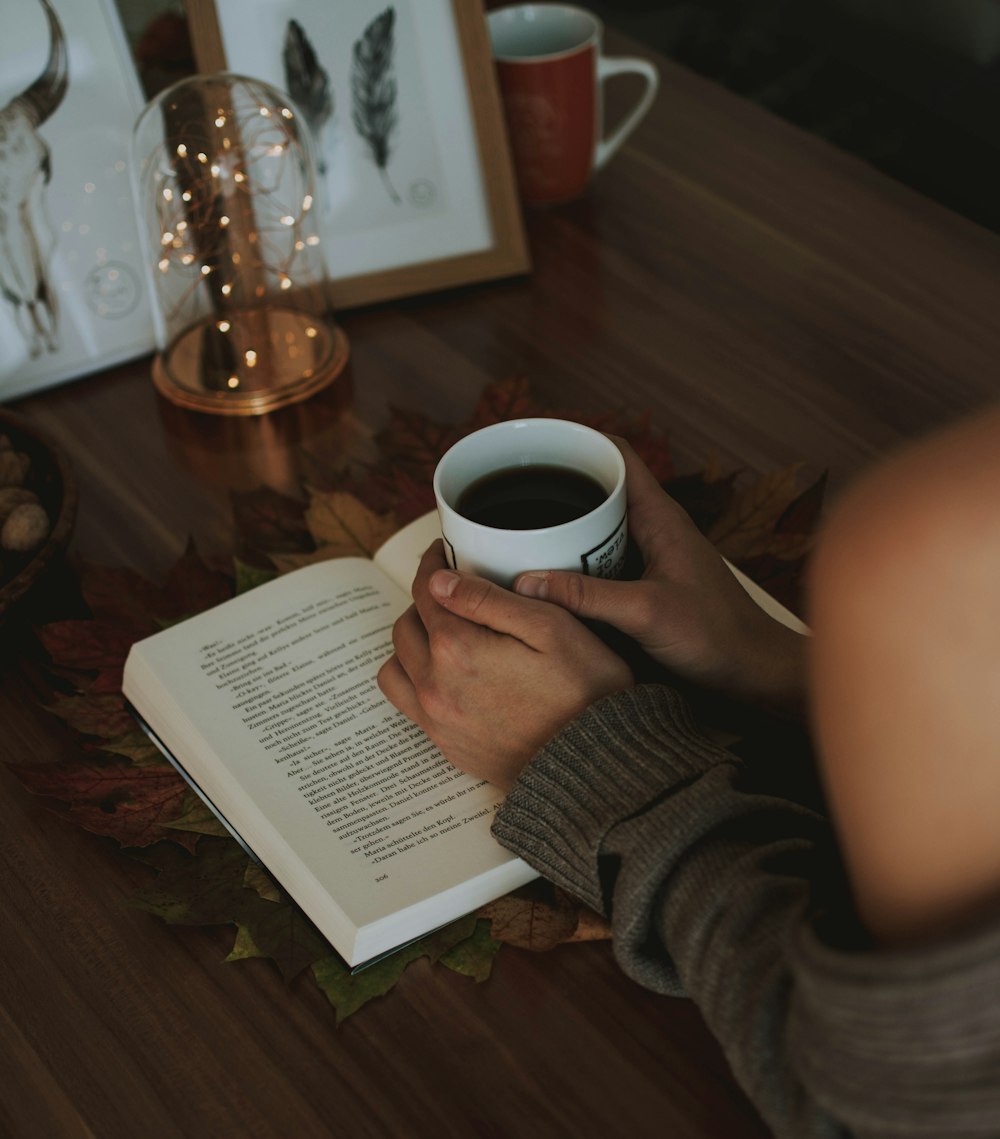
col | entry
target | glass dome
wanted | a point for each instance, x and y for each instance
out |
(224, 183)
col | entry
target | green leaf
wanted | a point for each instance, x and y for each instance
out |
(473, 957)
(249, 577)
(348, 991)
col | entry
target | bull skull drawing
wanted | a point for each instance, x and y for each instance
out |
(25, 169)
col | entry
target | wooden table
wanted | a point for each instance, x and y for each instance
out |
(767, 299)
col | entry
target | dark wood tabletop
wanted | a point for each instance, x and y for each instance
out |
(767, 300)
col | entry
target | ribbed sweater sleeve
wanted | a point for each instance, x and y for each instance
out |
(719, 893)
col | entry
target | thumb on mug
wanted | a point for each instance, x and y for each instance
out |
(595, 598)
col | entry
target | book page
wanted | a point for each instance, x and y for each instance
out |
(400, 555)
(270, 702)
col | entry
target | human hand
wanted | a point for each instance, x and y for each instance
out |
(688, 611)
(491, 676)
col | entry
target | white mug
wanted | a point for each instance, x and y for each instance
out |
(593, 543)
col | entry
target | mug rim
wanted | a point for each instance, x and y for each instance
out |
(531, 422)
(592, 41)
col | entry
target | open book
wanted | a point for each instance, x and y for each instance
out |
(269, 707)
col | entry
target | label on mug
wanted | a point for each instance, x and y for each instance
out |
(608, 558)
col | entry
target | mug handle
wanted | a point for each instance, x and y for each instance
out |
(626, 66)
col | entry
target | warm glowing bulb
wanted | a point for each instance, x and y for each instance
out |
(216, 169)
(312, 239)
(266, 112)
(166, 238)
(312, 333)
(226, 290)
(286, 282)
(251, 357)
(202, 156)
(288, 220)
(182, 150)
(223, 221)
(220, 121)
(186, 196)
(307, 202)
(164, 265)
(286, 113)
(168, 194)
(233, 381)
(187, 258)
(181, 226)
(239, 176)
(205, 270)
(223, 325)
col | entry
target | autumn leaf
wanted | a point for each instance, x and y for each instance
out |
(249, 577)
(136, 747)
(341, 526)
(202, 887)
(501, 401)
(268, 520)
(198, 818)
(348, 991)
(191, 587)
(94, 715)
(538, 917)
(120, 595)
(474, 956)
(747, 528)
(130, 804)
(93, 644)
(278, 930)
(413, 443)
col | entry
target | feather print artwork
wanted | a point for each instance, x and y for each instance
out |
(307, 83)
(373, 90)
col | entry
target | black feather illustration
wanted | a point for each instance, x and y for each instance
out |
(307, 82)
(373, 89)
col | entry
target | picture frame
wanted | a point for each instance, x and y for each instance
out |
(419, 197)
(72, 281)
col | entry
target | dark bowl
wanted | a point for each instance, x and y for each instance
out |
(51, 478)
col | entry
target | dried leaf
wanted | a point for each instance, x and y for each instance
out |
(198, 818)
(341, 526)
(249, 577)
(120, 595)
(101, 644)
(348, 991)
(204, 887)
(474, 956)
(137, 747)
(412, 443)
(503, 400)
(747, 527)
(191, 587)
(257, 878)
(94, 715)
(268, 520)
(537, 917)
(130, 804)
(278, 930)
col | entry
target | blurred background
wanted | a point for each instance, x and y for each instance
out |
(910, 86)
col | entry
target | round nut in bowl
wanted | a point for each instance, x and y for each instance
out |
(37, 506)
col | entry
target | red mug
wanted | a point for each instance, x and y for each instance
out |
(551, 71)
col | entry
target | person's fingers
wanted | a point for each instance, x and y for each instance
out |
(489, 606)
(398, 689)
(653, 516)
(625, 605)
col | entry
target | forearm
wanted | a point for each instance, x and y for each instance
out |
(711, 891)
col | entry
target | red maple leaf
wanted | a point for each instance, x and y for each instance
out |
(120, 800)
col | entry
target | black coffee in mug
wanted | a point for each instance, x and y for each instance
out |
(530, 497)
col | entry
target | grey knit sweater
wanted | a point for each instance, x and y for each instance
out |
(734, 899)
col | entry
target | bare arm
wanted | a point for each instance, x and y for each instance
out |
(906, 682)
